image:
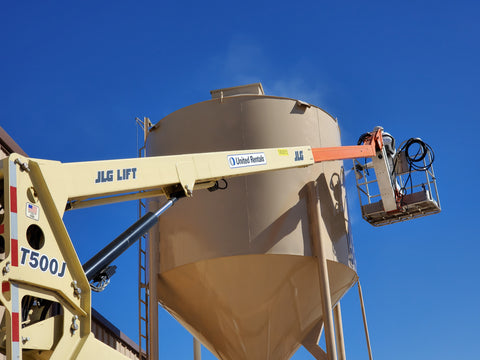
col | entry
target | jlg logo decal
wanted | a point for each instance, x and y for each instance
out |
(298, 155)
(41, 261)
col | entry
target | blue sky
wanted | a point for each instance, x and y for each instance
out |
(74, 75)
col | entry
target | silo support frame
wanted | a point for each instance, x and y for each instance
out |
(364, 316)
(310, 342)
(319, 235)
(197, 349)
(337, 318)
(152, 271)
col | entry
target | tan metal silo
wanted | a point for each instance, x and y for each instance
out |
(239, 268)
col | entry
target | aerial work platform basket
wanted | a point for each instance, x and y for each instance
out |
(405, 179)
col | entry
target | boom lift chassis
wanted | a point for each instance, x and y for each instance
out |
(46, 292)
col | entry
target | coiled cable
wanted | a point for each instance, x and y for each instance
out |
(422, 151)
(217, 186)
(419, 156)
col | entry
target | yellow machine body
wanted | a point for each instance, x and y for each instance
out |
(39, 264)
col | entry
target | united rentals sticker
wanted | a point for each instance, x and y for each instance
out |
(243, 160)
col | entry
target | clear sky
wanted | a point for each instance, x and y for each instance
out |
(74, 75)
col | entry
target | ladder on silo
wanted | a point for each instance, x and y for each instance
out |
(143, 286)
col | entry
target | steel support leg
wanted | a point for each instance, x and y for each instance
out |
(321, 235)
(337, 317)
(197, 349)
(152, 268)
(365, 321)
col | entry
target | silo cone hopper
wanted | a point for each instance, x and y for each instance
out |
(241, 268)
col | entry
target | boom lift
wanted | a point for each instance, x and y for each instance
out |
(46, 297)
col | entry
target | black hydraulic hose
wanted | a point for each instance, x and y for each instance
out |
(422, 150)
(109, 253)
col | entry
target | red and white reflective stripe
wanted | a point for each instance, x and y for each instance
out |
(13, 289)
(13, 197)
(13, 214)
(7, 286)
(2, 226)
(15, 322)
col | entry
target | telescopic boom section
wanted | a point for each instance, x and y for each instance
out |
(117, 180)
(369, 148)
